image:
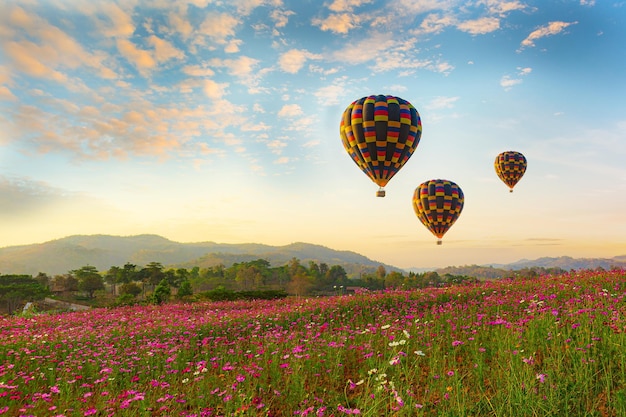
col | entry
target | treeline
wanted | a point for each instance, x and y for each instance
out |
(489, 272)
(129, 284)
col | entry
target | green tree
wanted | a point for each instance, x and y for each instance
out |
(381, 272)
(248, 277)
(64, 283)
(336, 275)
(300, 284)
(393, 280)
(128, 273)
(184, 290)
(16, 289)
(162, 292)
(43, 279)
(130, 288)
(89, 280)
(112, 277)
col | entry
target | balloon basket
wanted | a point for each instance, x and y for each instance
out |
(511, 190)
(380, 193)
(439, 242)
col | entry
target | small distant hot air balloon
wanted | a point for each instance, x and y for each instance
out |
(438, 204)
(380, 133)
(510, 167)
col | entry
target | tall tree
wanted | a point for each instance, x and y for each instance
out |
(89, 280)
(16, 289)
(112, 277)
(162, 292)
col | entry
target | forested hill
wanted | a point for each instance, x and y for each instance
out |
(103, 251)
(539, 266)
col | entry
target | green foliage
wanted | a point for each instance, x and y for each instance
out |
(89, 280)
(222, 294)
(184, 290)
(162, 292)
(125, 300)
(16, 289)
(132, 289)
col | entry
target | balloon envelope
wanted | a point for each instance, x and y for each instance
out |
(510, 167)
(380, 133)
(438, 204)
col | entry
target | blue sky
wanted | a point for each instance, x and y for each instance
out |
(219, 121)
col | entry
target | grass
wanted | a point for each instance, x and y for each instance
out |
(550, 346)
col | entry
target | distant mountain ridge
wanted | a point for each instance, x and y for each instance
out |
(103, 251)
(567, 263)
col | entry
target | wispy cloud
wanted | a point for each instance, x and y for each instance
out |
(552, 28)
(480, 26)
(23, 196)
(442, 103)
(508, 81)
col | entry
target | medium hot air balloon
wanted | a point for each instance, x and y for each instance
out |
(510, 167)
(380, 133)
(438, 204)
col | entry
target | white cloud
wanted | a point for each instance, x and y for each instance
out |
(276, 146)
(480, 26)
(442, 102)
(241, 67)
(164, 50)
(232, 46)
(293, 60)
(552, 28)
(338, 23)
(312, 143)
(198, 71)
(219, 26)
(346, 5)
(281, 17)
(282, 160)
(214, 90)
(290, 110)
(330, 95)
(6, 94)
(119, 23)
(507, 82)
(435, 23)
(502, 7)
(179, 24)
(141, 59)
(375, 44)
(413, 7)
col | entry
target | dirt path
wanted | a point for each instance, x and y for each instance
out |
(66, 305)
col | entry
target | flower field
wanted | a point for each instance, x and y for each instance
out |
(550, 346)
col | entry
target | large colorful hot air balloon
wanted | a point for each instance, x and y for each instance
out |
(438, 204)
(380, 133)
(510, 167)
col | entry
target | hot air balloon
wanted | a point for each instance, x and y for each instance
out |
(510, 167)
(438, 204)
(380, 133)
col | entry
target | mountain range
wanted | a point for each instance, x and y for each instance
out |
(104, 251)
